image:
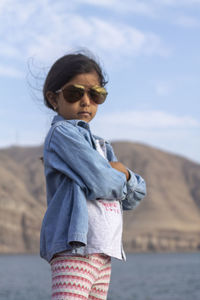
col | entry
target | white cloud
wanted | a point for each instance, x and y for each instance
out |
(148, 119)
(127, 6)
(162, 88)
(3, 4)
(188, 21)
(98, 2)
(45, 30)
(166, 10)
(157, 128)
(8, 50)
(10, 71)
(181, 3)
(123, 39)
(150, 8)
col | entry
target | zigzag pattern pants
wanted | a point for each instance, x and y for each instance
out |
(80, 277)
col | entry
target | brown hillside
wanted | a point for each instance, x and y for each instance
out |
(169, 217)
(167, 220)
(22, 199)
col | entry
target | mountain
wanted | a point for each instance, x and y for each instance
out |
(22, 199)
(168, 219)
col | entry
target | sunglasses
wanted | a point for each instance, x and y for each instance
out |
(74, 93)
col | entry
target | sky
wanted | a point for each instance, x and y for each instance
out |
(150, 51)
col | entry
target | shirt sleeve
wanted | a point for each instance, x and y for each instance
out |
(71, 154)
(135, 186)
(136, 190)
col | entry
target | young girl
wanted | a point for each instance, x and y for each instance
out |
(87, 187)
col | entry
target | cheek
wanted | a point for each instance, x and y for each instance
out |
(70, 106)
(95, 108)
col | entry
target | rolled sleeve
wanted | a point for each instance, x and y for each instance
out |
(136, 190)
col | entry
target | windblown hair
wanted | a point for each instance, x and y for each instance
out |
(66, 68)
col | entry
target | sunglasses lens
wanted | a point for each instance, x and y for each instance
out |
(98, 94)
(73, 93)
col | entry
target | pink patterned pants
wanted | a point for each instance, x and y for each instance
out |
(80, 277)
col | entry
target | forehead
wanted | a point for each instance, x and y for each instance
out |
(85, 79)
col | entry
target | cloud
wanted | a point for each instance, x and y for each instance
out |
(178, 3)
(149, 119)
(10, 71)
(142, 7)
(125, 39)
(8, 50)
(45, 30)
(151, 8)
(98, 2)
(157, 128)
(162, 88)
(128, 6)
(188, 21)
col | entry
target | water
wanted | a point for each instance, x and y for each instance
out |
(142, 277)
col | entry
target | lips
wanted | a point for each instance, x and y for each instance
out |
(84, 113)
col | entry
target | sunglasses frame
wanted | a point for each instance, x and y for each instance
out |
(101, 93)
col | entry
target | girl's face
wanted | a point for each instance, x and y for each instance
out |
(84, 109)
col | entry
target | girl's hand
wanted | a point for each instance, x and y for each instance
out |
(120, 167)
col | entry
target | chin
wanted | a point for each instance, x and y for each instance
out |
(85, 119)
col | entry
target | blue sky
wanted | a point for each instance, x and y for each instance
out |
(149, 49)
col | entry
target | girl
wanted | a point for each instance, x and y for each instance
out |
(87, 187)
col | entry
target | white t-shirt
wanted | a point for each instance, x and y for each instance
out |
(104, 224)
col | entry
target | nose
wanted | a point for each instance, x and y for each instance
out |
(85, 100)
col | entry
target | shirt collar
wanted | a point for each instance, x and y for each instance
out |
(81, 123)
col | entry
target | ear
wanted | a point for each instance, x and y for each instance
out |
(52, 99)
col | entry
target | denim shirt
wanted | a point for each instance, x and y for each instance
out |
(74, 172)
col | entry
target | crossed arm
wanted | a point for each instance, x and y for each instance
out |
(120, 167)
(97, 177)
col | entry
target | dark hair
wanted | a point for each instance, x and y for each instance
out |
(67, 67)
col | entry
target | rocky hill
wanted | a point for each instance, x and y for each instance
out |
(168, 219)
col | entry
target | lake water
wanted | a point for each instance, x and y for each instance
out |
(142, 277)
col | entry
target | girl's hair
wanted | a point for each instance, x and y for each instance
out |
(67, 67)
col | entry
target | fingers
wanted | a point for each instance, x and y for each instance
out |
(120, 167)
